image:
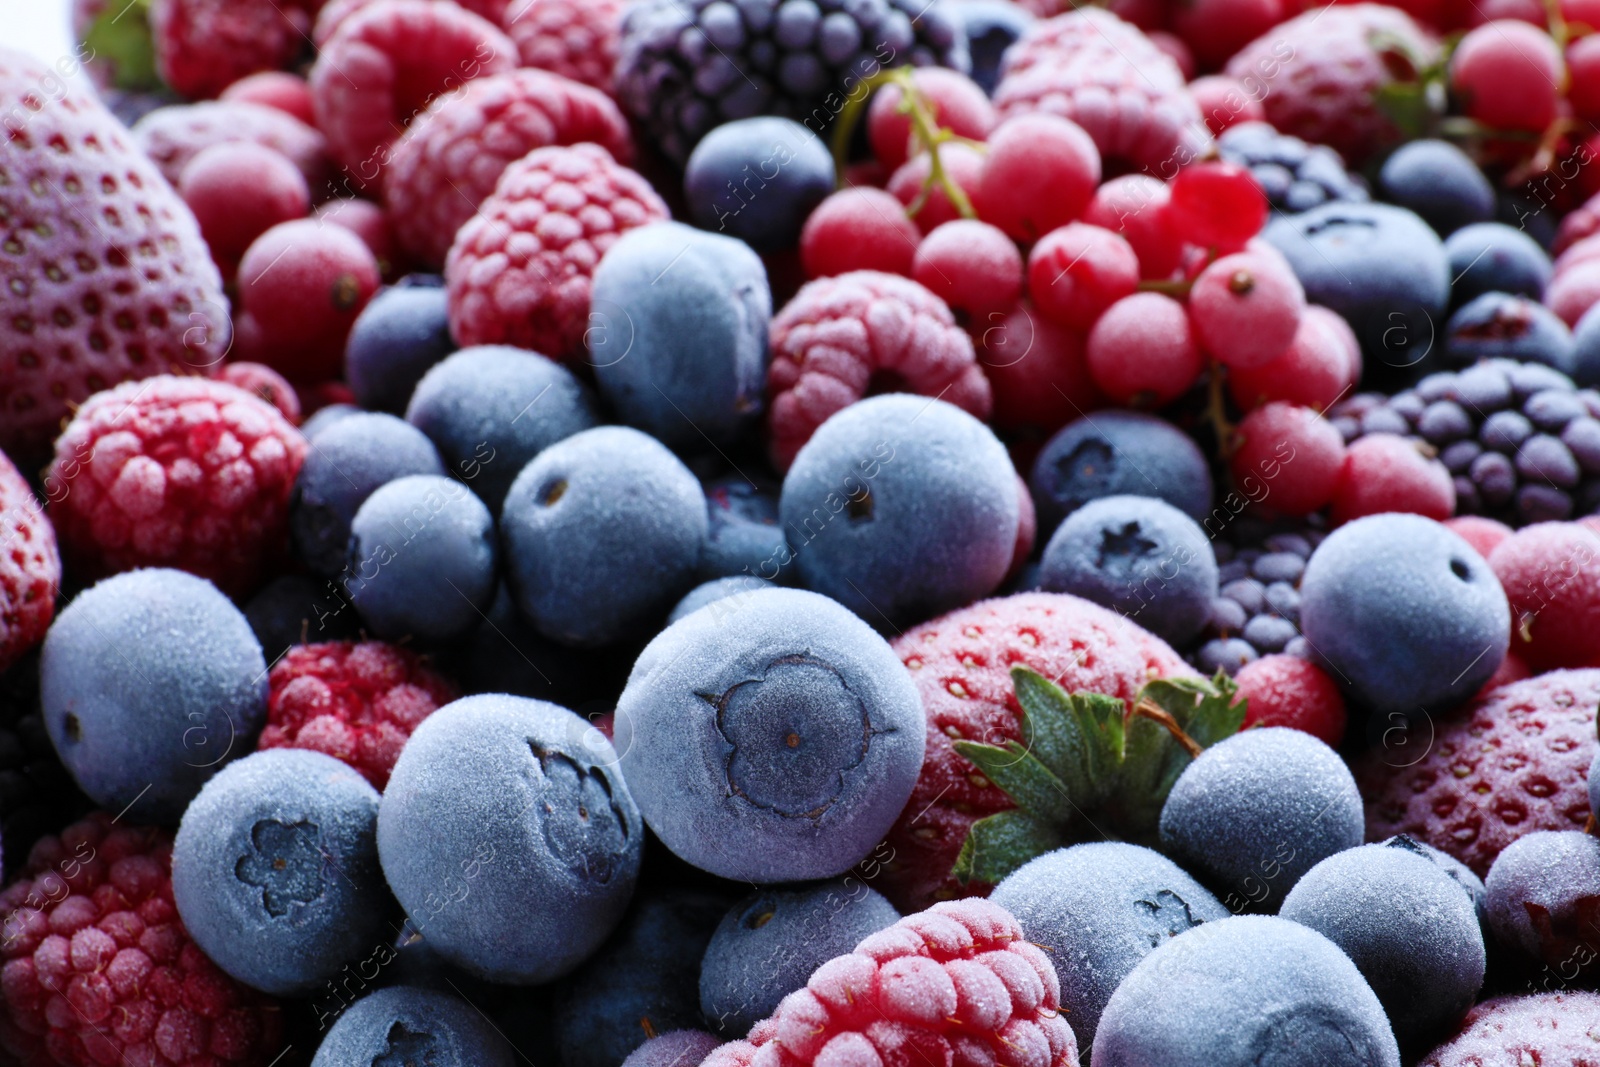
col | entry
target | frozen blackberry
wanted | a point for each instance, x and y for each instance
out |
(37, 795)
(1257, 610)
(1295, 175)
(687, 66)
(1520, 440)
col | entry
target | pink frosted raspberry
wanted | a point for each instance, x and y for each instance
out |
(30, 567)
(575, 38)
(844, 337)
(334, 13)
(175, 472)
(450, 159)
(171, 136)
(957, 984)
(385, 63)
(520, 270)
(204, 46)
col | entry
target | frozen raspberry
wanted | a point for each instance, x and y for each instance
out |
(1289, 691)
(278, 89)
(520, 269)
(204, 46)
(1560, 1029)
(99, 969)
(334, 14)
(172, 136)
(30, 567)
(577, 39)
(383, 65)
(266, 384)
(853, 335)
(958, 983)
(453, 154)
(1108, 77)
(356, 702)
(103, 273)
(1551, 575)
(175, 472)
(1225, 102)
(1323, 74)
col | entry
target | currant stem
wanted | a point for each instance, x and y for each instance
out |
(924, 127)
(1217, 412)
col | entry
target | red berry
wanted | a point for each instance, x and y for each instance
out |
(1078, 271)
(1218, 205)
(287, 92)
(1482, 534)
(1315, 372)
(1039, 174)
(962, 166)
(1216, 29)
(1136, 206)
(367, 221)
(1039, 372)
(1225, 102)
(1296, 454)
(1289, 691)
(1482, 12)
(203, 46)
(1176, 49)
(957, 103)
(860, 228)
(1583, 69)
(1142, 352)
(971, 266)
(1246, 309)
(265, 384)
(302, 284)
(30, 565)
(1508, 75)
(1551, 575)
(1386, 472)
(574, 38)
(238, 192)
(1581, 16)
(1574, 291)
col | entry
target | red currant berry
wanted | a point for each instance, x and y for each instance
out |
(1216, 29)
(1142, 352)
(279, 89)
(1574, 291)
(971, 266)
(1078, 271)
(238, 191)
(1136, 206)
(1508, 75)
(1218, 205)
(1288, 458)
(367, 221)
(1315, 372)
(962, 165)
(1581, 16)
(1038, 371)
(1483, 12)
(1483, 534)
(1387, 472)
(1246, 309)
(1148, 15)
(1583, 68)
(957, 103)
(1283, 690)
(266, 383)
(1039, 174)
(858, 229)
(1225, 102)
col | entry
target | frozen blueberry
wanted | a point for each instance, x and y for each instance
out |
(1594, 786)
(275, 870)
(404, 1025)
(1439, 182)
(776, 744)
(648, 970)
(757, 179)
(1140, 557)
(149, 682)
(1255, 812)
(1119, 452)
(1491, 257)
(991, 26)
(294, 609)
(602, 533)
(324, 417)
(1586, 350)
(422, 559)
(901, 508)
(678, 333)
(768, 944)
(509, 838)
(399, 335)
(1408, 928)
(1459, 872)
(1246, 991)
(1406, 614)
(1542, 890)
(718, 590)
(345, 464)
(1502, 326)
(675, 1048)
(1101, 908)
(492, 408)
(744, 536)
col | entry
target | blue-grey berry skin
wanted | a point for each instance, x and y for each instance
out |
(1490, 257)
(678, 333)
(1499, 325)
(1405, 613)
(1541, 893)
(1118, 452)
(322, 418)
(744, 536)
(1408, 928)
(1140, 557)
(1459, 872)
(275, 870)
(1586, 351)
(401, 333)
(149, 682)
(1439, 182)
(491, 408)
(509, 838)
(768, 944)
(1246, 991)
(347, 462)
(757, 179)
(404, 1025)
(1099, 909)
(901, 508)
(423, 559)
(716, 591)
(1255, 812)
(991, 27)
(602, 533)
(777, 743)
(1594, 786)
(675, 1048)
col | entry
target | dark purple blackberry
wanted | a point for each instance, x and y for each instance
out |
(1296, 176)
(687, 66)
(1520, 439)
(37, 795)
(1257, 610)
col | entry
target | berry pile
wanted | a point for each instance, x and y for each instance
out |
(1296, 176)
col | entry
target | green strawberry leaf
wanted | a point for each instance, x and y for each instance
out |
(999, 844)
(120, 36)
(1208, 711)
(1077, 736)
(1203, 710)
(1022, 778)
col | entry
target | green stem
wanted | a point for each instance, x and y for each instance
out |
(930, 136)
